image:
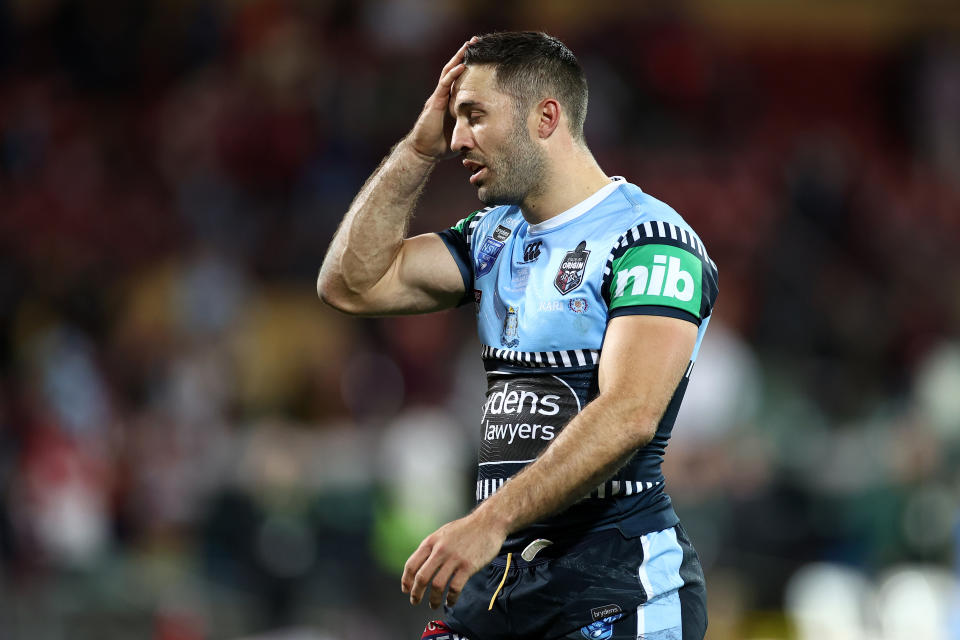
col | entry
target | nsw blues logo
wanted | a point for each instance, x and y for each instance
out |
(487, 255)
(490, 249)
(601, 629)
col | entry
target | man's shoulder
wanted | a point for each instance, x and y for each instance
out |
(644, 220)
(484, 221)
(640, 206)
(629, 208)
(658, 262)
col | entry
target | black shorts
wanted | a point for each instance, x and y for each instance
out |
(605, 586)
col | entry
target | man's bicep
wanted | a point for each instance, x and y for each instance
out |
(428, 265)
(643, 359)
(424, 277)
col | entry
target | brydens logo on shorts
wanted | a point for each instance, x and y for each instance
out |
(599, 613)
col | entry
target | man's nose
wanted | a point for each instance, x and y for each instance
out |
(461, 140)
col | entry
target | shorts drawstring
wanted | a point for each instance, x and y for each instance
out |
(502, 581)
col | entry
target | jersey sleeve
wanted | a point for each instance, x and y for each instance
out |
(458, 240)
(660, 269)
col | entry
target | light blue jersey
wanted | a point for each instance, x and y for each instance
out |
(543, 295)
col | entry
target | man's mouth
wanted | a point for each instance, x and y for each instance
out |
(477, 170)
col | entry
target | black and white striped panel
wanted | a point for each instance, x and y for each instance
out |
(609, 489)
(540, 359)
(659, 230)
(612, 488)
(475, 221)
(487, 487)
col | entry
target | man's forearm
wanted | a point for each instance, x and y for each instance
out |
(372, 232)
(590, 449)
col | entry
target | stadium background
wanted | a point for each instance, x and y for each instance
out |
(192, 446)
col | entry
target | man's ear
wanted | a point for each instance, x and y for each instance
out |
(548, 117)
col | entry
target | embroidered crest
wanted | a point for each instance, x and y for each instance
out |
(578, 305)
(570, 274)
(487, 255)
(601, 629)
(509, 336)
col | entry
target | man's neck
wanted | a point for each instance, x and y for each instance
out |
(571, 180)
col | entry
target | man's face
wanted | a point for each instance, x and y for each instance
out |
(506, 164)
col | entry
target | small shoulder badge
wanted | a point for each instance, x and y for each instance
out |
(487, 255)
(572, 267)
(490, 249)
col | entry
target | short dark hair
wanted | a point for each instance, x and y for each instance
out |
(531, 66)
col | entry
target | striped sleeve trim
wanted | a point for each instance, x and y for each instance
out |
(474, 221)
(540, 359)
(609, 489)
(661, 231)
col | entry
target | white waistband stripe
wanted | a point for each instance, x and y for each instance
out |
(488, 486)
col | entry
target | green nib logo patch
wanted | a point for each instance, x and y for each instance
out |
(657, 274)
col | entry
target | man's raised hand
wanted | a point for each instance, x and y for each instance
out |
(430, 136)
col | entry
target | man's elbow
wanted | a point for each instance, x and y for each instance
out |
(643, 425)
(336, 296)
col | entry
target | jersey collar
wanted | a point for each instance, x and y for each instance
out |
(576, 210)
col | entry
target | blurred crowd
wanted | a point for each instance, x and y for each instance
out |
(192, 446)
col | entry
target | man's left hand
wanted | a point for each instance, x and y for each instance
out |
(451, 554)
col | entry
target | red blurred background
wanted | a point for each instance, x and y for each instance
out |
(192, 446)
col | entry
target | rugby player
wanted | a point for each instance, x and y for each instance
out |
(592, 298)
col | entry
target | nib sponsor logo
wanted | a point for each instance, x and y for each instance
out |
(666, 278)
(656, 274)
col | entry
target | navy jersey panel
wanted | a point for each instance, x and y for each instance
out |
(544, 295)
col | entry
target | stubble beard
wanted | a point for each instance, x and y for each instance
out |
(519, 171)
